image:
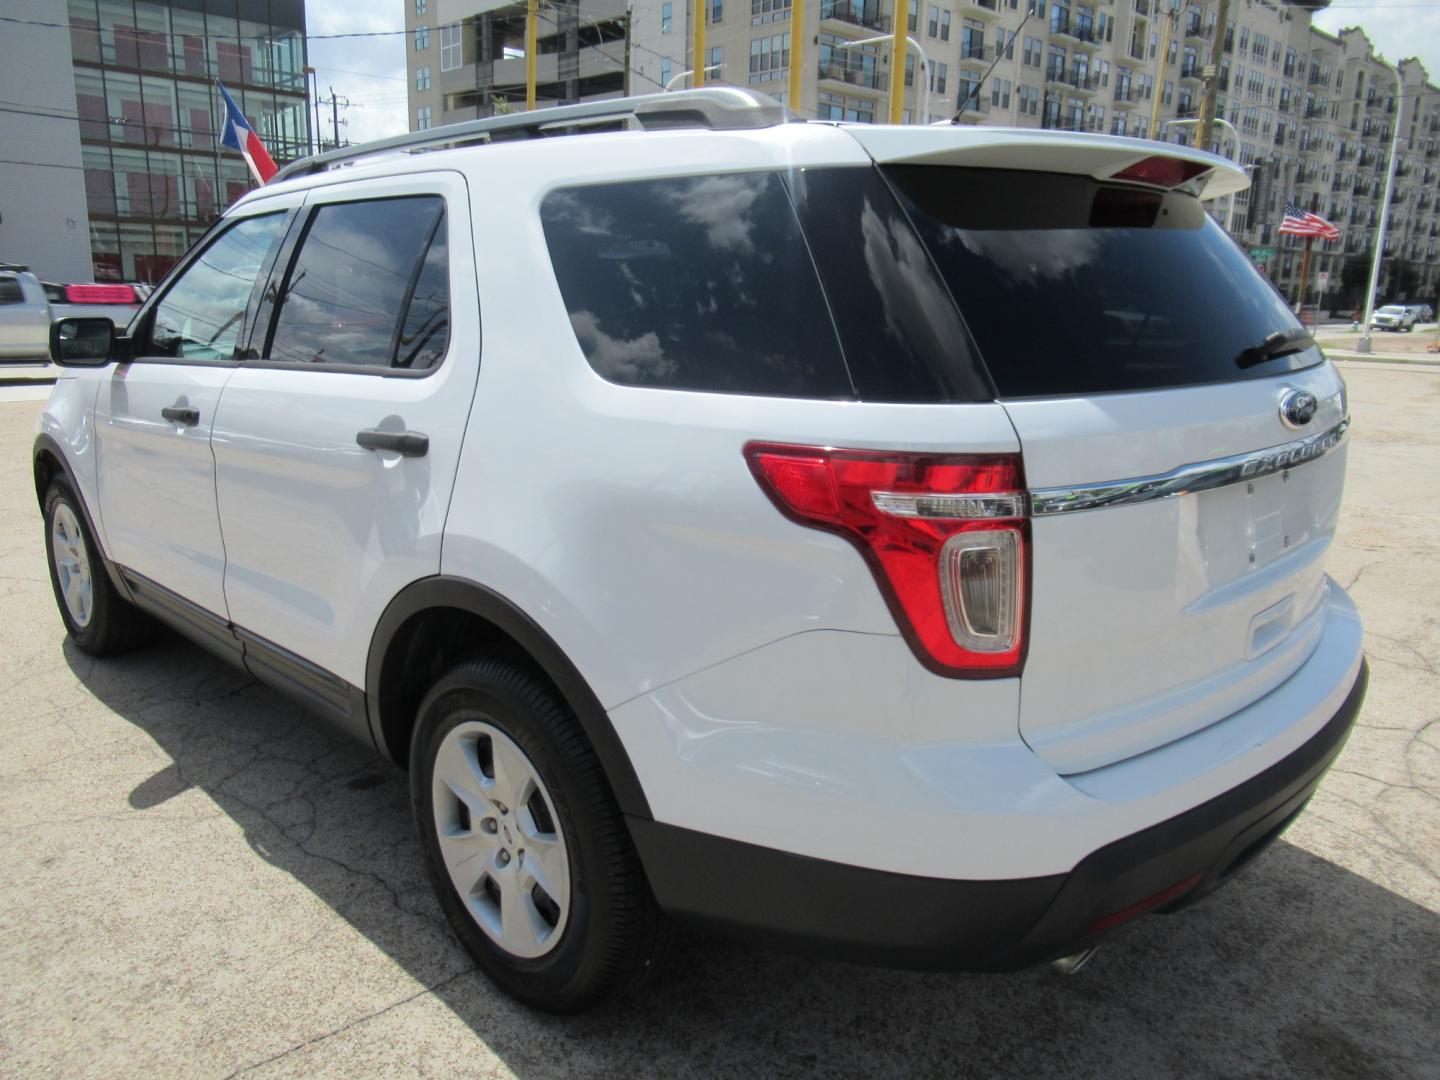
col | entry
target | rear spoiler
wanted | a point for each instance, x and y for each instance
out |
(1104, 157)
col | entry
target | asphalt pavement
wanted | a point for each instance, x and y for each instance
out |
(196, 880)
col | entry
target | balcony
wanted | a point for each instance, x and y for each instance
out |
(975, 52)
(1078, 31)
(1079, 80)
(1194, 31)
(1190, 70)
(1126, 93)
(987, 7)
(854, 76)
(1313, 112)
(865, 15)
(1142, 8)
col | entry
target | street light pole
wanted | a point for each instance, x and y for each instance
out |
(924, 64)
(1363, 345)
(1182, 122)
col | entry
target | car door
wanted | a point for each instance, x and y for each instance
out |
(153, 415)
(336, 445)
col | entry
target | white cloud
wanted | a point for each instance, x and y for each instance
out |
(370, 72)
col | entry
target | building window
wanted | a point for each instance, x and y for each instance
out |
(666, 10)
(942, 72)
(1000, 93)
(450, 51)
(715, 56)
(914, 13)
(717, 11)
(933, 28)
(944, 25)
(664, 71)
(422, 77)
(422, 38)
(422, 7)
(424, 118)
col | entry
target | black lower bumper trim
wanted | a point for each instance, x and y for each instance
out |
(903, 921)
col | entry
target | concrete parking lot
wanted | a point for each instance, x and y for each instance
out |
(196, 881)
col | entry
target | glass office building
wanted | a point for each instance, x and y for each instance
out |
(150, 116)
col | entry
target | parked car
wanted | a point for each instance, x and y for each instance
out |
(24, 315)
(1395, 317)
(846, 537)
(1423, 313)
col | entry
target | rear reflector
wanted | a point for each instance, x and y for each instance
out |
(101, 294)
(1164, 896)
(1166, 172)
(946, 537)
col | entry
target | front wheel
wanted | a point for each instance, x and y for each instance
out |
(99, 620)
(526, 847)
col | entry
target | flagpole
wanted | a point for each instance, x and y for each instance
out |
(1305, 259)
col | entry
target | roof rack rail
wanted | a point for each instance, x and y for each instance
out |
(720, 108)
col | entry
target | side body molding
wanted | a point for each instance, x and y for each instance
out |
(444, 591)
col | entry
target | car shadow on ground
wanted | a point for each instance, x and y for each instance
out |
(1298, 968)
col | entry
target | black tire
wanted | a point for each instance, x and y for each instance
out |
(115, 625)
(614, 932)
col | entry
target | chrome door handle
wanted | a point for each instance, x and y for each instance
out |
(406, 443)
(181, 414)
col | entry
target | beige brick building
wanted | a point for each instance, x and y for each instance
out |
(1310, 113)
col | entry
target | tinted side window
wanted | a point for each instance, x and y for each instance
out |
(200, 316)
(701, 283)
(1070, 286)
(344, 297)
(10, 291)
(903, 339)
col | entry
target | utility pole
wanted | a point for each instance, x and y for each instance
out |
(797, 52)
(532, 14)
(1363, 345)
(334, 116)
(897, 60)
(698, 66)
(1205, 130)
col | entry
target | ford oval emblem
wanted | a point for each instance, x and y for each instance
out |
(1298, 408)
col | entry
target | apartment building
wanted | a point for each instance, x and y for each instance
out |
(466, 58)
(1310, 113)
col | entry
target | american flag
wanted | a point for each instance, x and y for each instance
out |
(1300, 222)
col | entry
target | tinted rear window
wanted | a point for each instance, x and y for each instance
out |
(1073, 287)
(701, 283)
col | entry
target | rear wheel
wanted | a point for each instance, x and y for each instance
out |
(99, 620)
(525, 845)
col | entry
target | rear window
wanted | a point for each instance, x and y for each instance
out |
(700, 283)
(1069, 286)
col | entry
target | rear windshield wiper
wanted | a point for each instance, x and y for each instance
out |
(1280, 343)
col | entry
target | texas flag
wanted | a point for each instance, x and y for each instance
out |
(239, 135)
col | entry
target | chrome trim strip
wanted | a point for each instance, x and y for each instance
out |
(1202, 476)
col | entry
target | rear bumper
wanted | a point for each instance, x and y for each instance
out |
(902, 920)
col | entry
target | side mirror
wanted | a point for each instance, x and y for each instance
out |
(82, 342)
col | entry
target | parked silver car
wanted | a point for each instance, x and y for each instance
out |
(1395, 317)
(24, 316)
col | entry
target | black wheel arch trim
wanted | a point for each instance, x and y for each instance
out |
(446, 591)
(46, 445)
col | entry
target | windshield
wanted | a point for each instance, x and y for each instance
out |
(1392, 311)
(1070, 286)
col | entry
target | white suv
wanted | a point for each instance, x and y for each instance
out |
(903, 544)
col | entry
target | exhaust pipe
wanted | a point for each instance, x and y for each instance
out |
(1071, 965)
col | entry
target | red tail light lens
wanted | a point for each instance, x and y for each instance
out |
(1165, 172)
(101, 294)
(946, 536)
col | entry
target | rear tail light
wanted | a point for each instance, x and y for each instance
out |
(1161, 171)
(946, 536)
(101, 294)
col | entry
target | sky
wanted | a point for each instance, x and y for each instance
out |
(370, 72)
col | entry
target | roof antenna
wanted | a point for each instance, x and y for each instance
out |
(975, 90)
